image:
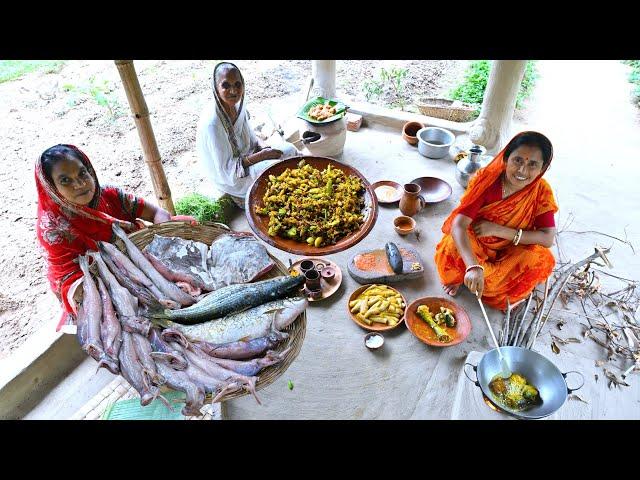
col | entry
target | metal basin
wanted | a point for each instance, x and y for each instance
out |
(537, 369)
(435, 142)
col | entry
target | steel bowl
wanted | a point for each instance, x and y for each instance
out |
(435, 142)
(536, 368)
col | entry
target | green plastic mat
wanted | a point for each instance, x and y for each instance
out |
(303, 113)
(156, 410)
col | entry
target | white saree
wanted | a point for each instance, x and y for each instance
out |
(222, 147)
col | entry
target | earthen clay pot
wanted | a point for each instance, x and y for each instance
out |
(411, 201)
(409, 132)
(404, 225)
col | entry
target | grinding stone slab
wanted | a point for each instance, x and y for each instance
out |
(383, 273)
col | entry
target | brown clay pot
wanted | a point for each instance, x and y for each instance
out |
(404, 225)
(409, 132)
(411, 201)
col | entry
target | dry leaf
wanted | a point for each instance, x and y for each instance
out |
(630, 337)
(564, 341)
(555, 348)
(614, 379)
(573, 396)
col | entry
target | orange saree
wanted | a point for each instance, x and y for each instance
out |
(510, 271)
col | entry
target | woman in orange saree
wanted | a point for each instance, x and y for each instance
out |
(497, 241)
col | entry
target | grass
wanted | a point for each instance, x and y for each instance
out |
(472, 88)
(202, 208)
(13, 69)
(634, 76)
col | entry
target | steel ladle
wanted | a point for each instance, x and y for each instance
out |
(506, 371)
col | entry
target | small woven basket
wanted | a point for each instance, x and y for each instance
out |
(445, 109)
(206, 233)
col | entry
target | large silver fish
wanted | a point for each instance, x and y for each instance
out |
(253, 323)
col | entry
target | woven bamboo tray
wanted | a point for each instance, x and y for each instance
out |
(445, 109)
(206, 233)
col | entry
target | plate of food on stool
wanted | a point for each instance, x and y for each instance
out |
(323, 283)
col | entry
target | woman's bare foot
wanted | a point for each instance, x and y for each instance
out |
(451, 289)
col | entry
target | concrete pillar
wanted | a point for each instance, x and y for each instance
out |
(324, 78)
(492, 129)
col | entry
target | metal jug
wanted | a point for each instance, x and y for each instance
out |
(469, 165)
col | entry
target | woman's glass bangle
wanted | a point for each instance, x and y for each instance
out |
(474, 266)
(516, 238)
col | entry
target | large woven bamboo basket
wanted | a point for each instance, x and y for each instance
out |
(445, 109)
(206, 233)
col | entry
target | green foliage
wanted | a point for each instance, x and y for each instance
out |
(471, 90)
(100, 92)
(634, 76)
(393, 79)
(13, 69)
(203, 208)
(527, 84)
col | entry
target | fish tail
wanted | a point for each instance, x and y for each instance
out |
(157, 311)
(160, 321)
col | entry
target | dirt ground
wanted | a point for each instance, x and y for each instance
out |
(41, 110)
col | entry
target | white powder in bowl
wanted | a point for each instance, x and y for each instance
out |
(374, 341)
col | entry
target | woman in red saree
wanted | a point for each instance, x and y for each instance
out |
(74, 212)
(497, 241)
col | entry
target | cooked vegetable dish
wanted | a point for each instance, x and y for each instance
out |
(442, 319)
(313, 206)
(515, 392)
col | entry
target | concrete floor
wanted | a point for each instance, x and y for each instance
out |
(594, 175)
(584, 108)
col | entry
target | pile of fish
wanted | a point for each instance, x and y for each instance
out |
(135, 319)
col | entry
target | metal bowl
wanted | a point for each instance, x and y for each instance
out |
(435, 142)
(373, 334)
(537, 369)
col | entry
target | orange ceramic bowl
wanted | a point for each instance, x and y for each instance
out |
(410, 130)
(423, 332)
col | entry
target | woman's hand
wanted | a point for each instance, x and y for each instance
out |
(161, 215)
(484, 228)
(185, 218)
(269, 153)
(474, 281)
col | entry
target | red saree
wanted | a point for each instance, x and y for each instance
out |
(66, 230)
(510, 271)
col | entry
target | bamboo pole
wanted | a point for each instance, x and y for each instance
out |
(145, 131)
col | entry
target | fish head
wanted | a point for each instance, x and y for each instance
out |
(289, 311)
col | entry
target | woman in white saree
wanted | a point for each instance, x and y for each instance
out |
(229, 150)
